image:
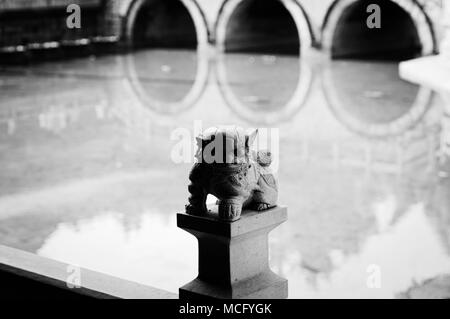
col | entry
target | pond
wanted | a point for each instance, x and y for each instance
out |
(87, 172)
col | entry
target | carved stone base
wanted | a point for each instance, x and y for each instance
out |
(233, 256)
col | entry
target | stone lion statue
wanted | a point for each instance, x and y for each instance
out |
(227, 168)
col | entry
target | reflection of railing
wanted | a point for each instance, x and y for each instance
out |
(57, 119)
(55, 111)
(133, 102)
(392, 156)
(10, 124)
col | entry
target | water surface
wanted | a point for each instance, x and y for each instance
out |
(87, 175)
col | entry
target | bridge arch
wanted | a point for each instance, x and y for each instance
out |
(165, 23)
(406, 30)
(275, 26)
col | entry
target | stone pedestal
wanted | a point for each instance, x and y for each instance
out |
(233, 257)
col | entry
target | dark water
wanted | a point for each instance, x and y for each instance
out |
(87, 173)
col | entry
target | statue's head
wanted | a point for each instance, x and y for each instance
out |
(225, 145)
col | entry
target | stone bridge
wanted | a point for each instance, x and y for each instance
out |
(286, 25)
(409, 27)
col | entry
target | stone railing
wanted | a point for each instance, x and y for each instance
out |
(28, 276)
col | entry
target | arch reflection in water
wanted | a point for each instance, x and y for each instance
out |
(371, 105)
(263, 89)
(406, 30)
(167, 82)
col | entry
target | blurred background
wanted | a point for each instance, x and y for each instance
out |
(86, 117)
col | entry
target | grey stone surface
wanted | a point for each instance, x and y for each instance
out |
(233, 256)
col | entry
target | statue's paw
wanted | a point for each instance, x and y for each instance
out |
(229, 211)
(262, 206)
(264, 158)
(195, 210)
